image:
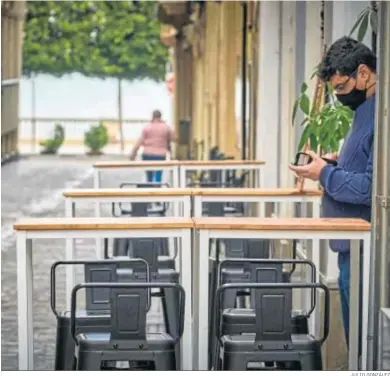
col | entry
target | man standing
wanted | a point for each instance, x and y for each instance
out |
(156, 138)
(350, 67)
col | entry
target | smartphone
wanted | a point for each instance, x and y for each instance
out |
(302, 159)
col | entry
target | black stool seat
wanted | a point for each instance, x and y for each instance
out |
(87, 318)
(166, 262)
(273, 342)
(243, 320)
(96, 317)
(126, 338)
(245, 343)
(102, 341)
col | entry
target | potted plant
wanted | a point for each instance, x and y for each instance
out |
(96, 138)
(326, 123)
(51, 145)
(324, 126)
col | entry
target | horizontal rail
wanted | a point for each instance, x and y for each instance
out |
(10, 82)
(81, 120)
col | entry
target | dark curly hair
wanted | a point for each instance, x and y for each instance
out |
(344, 56)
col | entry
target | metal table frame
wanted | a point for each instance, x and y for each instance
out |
(201, 275)
(24, 249)
(170, 167)
(262, 200)
(227, 165)
(70, 211)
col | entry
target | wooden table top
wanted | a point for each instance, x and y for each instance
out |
(259, 192)
(217, 223)
(306, 224)
(127, 192)
(115, 164)
(47, 224)
(143, 192)
(221, 162)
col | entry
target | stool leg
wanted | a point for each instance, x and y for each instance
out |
(164, 249)
(89, 361)
(171, 311)
(234, 362)
(311, 361)
(212, 290)
(165, 361)
(64, 352)
(121, 247)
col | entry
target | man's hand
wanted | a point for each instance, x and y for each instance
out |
(312, 170)
(332, 156)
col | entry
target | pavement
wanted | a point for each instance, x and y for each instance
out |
(33, 187)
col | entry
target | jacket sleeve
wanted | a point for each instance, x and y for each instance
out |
(349, 187)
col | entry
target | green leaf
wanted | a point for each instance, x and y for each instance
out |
(374, 20)
(315, 73)
(295, 109)
(363, 27)
(359, 20)
(304, 104)
(303, 87)
(313, 142)
(304, 137)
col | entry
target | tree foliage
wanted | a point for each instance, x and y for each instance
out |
(95, 38)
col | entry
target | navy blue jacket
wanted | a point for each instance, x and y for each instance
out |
(348, 186)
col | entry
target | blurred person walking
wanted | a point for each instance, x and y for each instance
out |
(156, 138)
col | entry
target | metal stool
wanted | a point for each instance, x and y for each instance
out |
(234, 248)
(273, 340)
(141, 209)
(147, 249)
(243, 320)
(126, 339)
(96, 314)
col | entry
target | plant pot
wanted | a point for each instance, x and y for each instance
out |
(94, 152)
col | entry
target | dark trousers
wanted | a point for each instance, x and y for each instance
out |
(344, 263)
(153, 176)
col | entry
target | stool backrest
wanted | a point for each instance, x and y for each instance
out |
(273, 309)
(99, 299)
(128, 313)
(147, 249)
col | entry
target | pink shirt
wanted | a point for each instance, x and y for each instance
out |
(155, 139)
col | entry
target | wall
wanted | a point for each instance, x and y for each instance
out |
(215, 48)
(12, 16)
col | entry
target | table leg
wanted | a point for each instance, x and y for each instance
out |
(197, 206)
(176, 184)
(69, 252)
(175, 177)
(314, 322)
(187, 206)
(25, 309)
(96, 185)
(354, 319)
(182, 173)
(186, 281)
(203, 300)
(366, 342)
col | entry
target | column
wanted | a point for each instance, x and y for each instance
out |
(268, 122)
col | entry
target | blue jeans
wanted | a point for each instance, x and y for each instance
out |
(344, 279)
(153, 176)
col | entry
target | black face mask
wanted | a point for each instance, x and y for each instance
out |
(353, 99)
